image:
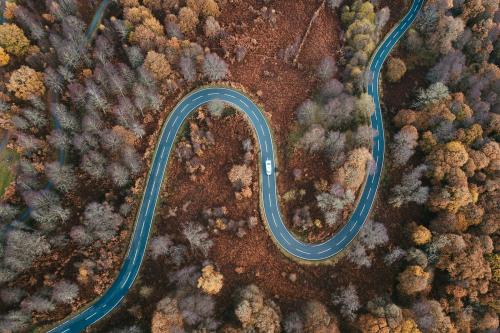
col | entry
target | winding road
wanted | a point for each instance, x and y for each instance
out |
(269, 196)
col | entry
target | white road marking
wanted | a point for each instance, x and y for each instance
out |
(265, 144)
(65, 330)
(323, 251)
(352, 227)
(363, 208)
(92, 315)
(274, 219)
(197, 98)
(378, 144)
(369, 191)
(301, 251)
(213, 94)
(343, 239)
(243, 102)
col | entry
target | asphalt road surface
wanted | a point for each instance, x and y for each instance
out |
(269, 197)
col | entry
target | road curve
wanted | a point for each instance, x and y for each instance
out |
(269, 196)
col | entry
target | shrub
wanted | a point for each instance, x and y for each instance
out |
(13, 40)
(25, 83)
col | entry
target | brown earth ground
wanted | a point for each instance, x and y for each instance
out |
(257, 258)
(283, 86)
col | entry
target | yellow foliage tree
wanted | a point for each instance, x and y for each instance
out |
(421, 235)
(187, 20)
(210, 8)
(25, 83)
(210, 281)
(158, 65)
(413, 280)
(396, 68)
(13, 40)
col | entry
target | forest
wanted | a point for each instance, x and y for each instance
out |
(82, 107)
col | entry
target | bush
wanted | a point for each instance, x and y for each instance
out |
(25, 83)
(13, 40)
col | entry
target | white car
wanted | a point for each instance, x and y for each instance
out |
(269, 167)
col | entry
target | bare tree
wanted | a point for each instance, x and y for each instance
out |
(411, 188)
(348, 300)
(214, 68)
(61, 175)
(64, 292)
(160, 246)
(197, 237)
(326, 68)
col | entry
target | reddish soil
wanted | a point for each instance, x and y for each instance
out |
(283, 86)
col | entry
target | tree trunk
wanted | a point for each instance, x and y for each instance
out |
(311, 22)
